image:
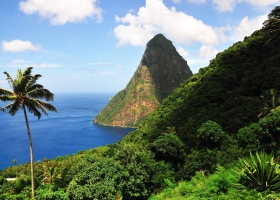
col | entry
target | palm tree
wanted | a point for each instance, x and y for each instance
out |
(26, 94)
(272, 24)
(271, 102)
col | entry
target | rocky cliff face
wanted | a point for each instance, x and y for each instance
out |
(160, 71)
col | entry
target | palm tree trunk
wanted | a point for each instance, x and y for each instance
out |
(31, 151)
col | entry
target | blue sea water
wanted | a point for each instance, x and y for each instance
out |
(59, 134)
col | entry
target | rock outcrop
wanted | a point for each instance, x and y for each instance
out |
(160, 71)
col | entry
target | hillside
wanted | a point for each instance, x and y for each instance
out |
(227, 91)
(160, 71)
(188, 147)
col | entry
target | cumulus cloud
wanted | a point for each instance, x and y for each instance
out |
(19, 46)
(155, 18)
(246, 27)
(183, 52)
(224, 5)
(228, 5)
(263, 3)
(60, 12)
(207, 52)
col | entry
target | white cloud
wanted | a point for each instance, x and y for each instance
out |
(194, 61)
(263, 3)
(155, 18)
(19, 46)
(182, 52)
(207, 52)
(224, 5)
(228, 5)
(62, 11)
(246, 27)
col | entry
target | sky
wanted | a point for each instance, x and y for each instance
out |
(97, 45)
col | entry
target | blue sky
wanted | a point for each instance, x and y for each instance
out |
(96, 45)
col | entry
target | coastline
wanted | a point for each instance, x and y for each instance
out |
(113, 125)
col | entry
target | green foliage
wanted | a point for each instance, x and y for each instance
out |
(101, 180)
(198, 160)
(210, 135)
(169, 148)
(201, 186)
(138, 171)
(272, 24)
(271, 100)
(261, 173)
(262, 135)
(50, 192)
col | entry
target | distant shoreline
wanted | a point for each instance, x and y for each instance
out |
(113, 125)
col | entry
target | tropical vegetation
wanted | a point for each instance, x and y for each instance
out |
(205, 141)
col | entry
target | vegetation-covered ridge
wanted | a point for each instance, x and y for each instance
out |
(227, 91)
(160, 71)
(217, 136)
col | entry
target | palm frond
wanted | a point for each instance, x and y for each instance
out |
(271, 25)
(40, 93)
(32, 81)
(34, 104)
(5, 92)
(10, 79)
(49, 106)
(35, 111)
(8, 98)
(27, 71)
(13, 107)
(22, 81)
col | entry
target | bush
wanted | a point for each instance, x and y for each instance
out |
(210, 135)
(261, 173)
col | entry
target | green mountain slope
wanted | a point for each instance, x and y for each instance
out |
(160, 71)
(174, 154)
(227, 92)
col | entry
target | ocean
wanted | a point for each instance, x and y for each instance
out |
(59, 134)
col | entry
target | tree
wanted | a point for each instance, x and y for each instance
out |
(169, 147)
(210, 135)
(271, 102)
(26, 94)
(264, 135)
(272, 24)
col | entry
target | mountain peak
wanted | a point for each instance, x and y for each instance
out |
(160, 71)
(158, 39)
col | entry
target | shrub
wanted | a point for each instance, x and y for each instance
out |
(261, 173)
